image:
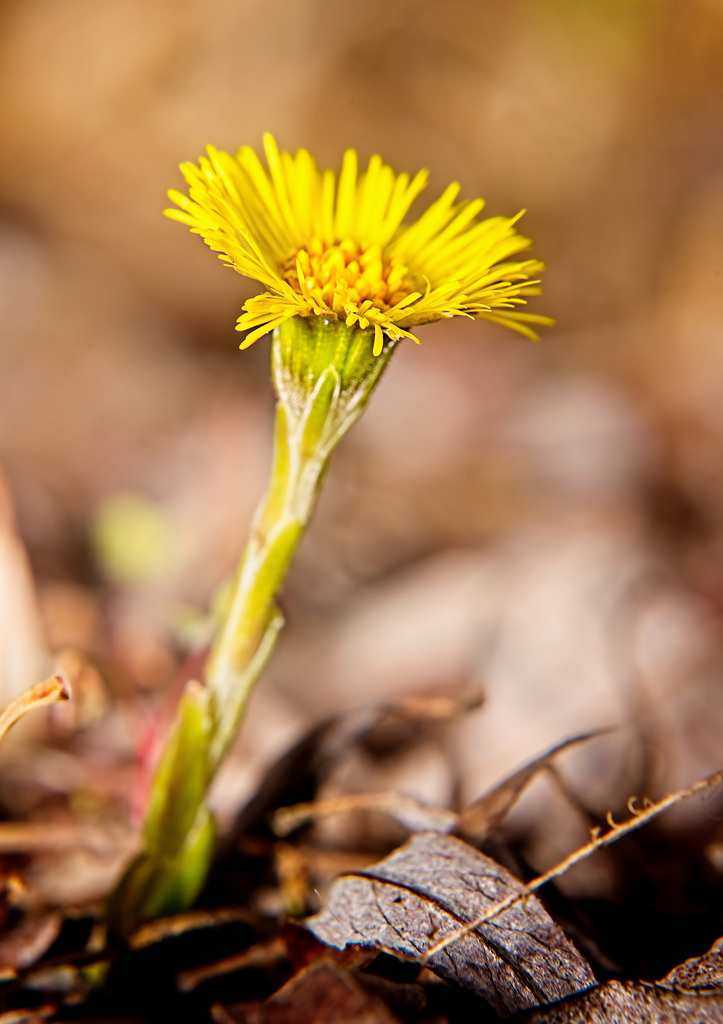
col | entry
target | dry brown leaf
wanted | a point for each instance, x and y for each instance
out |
(48, 692)
(297, 774)
(36, 1015)
(36, 836)
(472, 825)
(180, 924)
(598, 840)
(26, 943)
(320, 994)
(259, 955)
(632, 1003)
(698, 974)
(484, 814)
(691, 993)
(430, 887)
(409, 813)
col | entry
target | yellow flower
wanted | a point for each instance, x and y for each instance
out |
(338, 249)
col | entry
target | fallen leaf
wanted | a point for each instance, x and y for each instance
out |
(409, 813)
(472, 825)
(632, 1003)
(259, 955)
(39, 696)
(691, 993)
(484, 814)
(180, 924)
(25, 836)
(36, 1015)
(26, 943)
(698, 973)
(430, 887)
(320, 994)
(296, 776)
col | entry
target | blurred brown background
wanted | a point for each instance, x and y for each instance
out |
(544, 522)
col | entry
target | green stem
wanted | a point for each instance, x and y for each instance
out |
(324, 374)
(248, 635)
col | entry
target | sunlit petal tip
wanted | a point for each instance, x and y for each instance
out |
(178, 215)
(255, 335)
(270, 147)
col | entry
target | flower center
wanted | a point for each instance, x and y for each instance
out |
(362, 271)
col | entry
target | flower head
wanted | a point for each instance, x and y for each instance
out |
(338, 248)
